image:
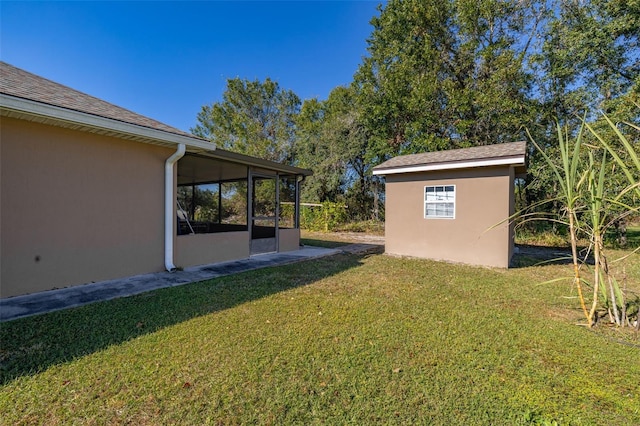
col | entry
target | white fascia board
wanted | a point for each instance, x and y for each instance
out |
(505, 161)
(81, 118)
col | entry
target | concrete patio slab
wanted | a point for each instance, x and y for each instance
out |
(55, 300)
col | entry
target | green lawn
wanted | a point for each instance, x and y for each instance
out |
(339, 340)
(324, 239)
(633, 236)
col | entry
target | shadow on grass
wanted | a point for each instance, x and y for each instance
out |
(323, 243)
(33, 344)
(530, 255)
(534, 255)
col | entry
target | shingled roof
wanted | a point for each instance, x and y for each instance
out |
(24, 95)
(478, 156)
(22, 84)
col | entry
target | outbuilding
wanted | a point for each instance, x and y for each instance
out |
(445, 205)
(90, 191)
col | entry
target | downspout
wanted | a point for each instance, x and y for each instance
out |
(169, 216)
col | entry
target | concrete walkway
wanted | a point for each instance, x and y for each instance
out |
(55, 300)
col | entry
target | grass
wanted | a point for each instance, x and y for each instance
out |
(339, 340)
(333, 239)
(548, 238)
(633, 236)
(545, 238)
(319, 240)
(369, 226)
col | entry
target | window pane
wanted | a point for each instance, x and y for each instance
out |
(287, 202)
(206, 201)
(264, 197)
(440, 201)
(449, 210)
(234, 203)
(431, 209)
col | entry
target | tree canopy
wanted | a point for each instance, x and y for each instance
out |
(444, 74)
(255, 118)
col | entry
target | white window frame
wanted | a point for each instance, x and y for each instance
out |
(439, 200)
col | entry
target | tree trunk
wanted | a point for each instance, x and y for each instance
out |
(376, 196)
(621, 231)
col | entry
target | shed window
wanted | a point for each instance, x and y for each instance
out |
(440, 202)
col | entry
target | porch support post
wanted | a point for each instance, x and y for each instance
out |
(277, 224)
(219, 202)
(250, 204)
(296, 218)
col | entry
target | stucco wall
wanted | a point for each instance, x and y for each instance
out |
(482, 200)
(77, 207)
(201, 249)
(512, 210)
(289, 239)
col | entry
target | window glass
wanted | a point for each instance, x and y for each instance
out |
(287, 202)
(212, 207)
(234, 203)
(439, 201)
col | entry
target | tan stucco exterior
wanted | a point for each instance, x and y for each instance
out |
(200, 249)
(484, 197)
(77, 207)
(289, 239)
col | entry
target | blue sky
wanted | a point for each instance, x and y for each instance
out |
(167, 59)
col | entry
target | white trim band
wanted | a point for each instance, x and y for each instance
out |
(513, 160)
(40, 109)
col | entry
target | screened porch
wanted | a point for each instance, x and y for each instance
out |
(231, 205)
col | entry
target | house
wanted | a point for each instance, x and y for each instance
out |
(445, 205)
(91, 191)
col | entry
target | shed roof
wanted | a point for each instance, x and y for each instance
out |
(512, 154)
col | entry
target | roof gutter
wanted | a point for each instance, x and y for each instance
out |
(169, 204)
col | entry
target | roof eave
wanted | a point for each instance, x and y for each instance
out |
(13, 106)
(513, 160)
(247, 160)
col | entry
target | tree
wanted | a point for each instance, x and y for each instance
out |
(332, 140)
(590, 56)
(314, 150)
(444, 74)
(254, 118)
(588, 60)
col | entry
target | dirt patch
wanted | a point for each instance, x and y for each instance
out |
(359, 237)
(347, 237)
